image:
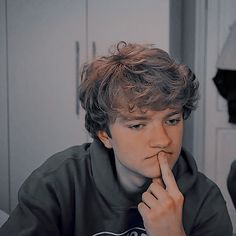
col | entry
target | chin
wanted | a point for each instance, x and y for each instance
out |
(156, 177)
(153, 175)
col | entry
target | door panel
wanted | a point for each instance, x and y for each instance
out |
(110, 21)
(42, 82)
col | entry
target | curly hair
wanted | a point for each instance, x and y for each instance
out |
(134, 76)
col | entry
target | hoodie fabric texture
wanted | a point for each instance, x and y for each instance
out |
(76, 193)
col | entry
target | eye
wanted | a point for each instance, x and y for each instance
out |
(173, 121)
(136, 127)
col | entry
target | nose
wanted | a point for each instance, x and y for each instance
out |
(159, 137)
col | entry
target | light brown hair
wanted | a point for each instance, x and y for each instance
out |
(134, 76)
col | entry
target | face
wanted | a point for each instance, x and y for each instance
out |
(137, 139)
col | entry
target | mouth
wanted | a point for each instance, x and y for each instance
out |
(149, 157)
(167, 153)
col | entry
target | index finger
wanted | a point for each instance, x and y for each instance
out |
(166, 172)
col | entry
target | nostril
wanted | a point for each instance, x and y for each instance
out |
(160, 141)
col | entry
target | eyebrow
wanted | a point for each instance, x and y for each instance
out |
(123, 118)
(145, 117)
(176, 112)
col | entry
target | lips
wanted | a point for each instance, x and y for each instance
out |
(167, 153)
(155, 155)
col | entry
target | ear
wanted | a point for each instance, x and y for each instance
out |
(103, 136)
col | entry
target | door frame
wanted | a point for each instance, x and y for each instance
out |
(4, 112)
(200, 71)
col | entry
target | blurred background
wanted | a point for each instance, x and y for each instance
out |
(43, 44)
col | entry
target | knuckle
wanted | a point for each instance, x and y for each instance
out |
(180, 198)
(172, 203)
(152, 186)
(144, 195)
(140, 205)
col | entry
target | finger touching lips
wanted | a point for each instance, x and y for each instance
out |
(163, 154)
(166, 172)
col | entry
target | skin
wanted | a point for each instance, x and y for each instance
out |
(161, 207)
(146, 146)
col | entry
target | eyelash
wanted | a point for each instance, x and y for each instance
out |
(136, 127)
(170, 122)
(173, 122)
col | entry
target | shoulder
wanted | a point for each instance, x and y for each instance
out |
(204, 191)
(71, 155)
(206, 183)
(205, 211)
(211, 214)
(192, 178)
(60, 169)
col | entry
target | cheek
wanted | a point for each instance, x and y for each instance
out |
(125, 143)
(177, 145)
(121, 149)
(178, 136)
(126, 152)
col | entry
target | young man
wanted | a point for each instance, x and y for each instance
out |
(134, 178)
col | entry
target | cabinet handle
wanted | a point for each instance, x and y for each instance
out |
(94, 50)
(77, 75)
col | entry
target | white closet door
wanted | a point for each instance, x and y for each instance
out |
(141, 21)
(42, 82)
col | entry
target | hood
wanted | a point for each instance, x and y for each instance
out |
(185, 171)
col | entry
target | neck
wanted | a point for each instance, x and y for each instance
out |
(131, 182)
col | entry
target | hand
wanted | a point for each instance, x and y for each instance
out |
(162, 204)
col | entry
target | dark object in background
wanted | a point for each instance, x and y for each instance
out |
(225, 81)
(225, 78)
(231, 182)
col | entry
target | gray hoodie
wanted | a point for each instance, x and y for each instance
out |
(76, 193)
